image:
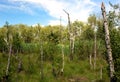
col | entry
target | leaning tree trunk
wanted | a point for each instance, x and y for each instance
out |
(71, 37)
(9, 44)
(107, 40)
(9, 57)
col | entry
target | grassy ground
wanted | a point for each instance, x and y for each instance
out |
(74, 71)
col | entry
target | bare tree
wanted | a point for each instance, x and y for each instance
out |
(107, 40)
(8, 41)
(71, 36)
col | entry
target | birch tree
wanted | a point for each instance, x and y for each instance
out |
(107, 41)
(8, 41)
(94, 46)
(92, 21)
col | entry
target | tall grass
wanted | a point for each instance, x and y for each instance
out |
(77, 69)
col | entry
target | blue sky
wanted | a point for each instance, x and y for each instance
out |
(47, 12)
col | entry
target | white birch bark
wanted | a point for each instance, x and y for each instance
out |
(9, 57)
(107, 41)
(9, 44)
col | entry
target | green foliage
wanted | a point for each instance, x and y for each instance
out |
(114, 15)
(88, 34)
(3, 61)
(16, 43)
(83, 48)
(30, 48)
(100, 31)
(114, 25)
(92, 20)
(3, 46)
(54, 37)
(115, 44)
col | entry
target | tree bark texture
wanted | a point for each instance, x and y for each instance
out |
(107, 41)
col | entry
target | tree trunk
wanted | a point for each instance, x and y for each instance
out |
(41, 50)
(90, 61)
(9, 57)
(19, 64)
(62, 49)
(101, 73)
(62, 69)
(94, 49)
(107, 40)
(71, 37)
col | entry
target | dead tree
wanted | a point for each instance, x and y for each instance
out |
(71, 36)
(107, 41)
(8, 41)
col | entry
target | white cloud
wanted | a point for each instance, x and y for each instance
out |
(20, 7)
(56, 22)
(78, 9)
(34, 25)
